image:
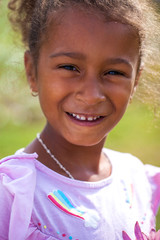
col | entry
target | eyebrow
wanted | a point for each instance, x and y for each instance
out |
(75, 55)
(78, 55)
(119, 61)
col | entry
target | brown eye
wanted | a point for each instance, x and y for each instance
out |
(114, 73)
(69, 67)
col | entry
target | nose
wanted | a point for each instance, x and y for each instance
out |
(91, 91)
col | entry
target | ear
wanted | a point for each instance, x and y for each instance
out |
(30, 71)
(136, 82)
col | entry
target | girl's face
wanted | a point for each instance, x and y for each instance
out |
(86, 74)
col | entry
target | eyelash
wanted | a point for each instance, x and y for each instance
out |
(114, 73)
(69, 67)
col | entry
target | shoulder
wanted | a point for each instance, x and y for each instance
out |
(126, 162)
(17, 157)
(144, 177)
(17, 170)
(17, 166)
(121, 160)
(17, 162)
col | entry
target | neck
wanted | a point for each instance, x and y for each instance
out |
(86, 163)
(76, 159)
(81, 155)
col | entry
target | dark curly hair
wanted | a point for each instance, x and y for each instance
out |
(31, 18)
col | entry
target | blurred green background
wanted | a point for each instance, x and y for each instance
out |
(21, 118)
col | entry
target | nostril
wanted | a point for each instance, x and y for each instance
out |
(90, 98)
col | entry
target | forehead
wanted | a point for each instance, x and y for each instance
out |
(77, 29)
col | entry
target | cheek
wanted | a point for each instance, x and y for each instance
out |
(52, 96)
(120, 92)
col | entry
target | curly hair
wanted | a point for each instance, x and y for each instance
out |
(31, 18)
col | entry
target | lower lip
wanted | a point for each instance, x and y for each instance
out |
(85, 123)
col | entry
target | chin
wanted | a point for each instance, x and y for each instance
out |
(86, 142)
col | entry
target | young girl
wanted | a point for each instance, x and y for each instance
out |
(83, 60)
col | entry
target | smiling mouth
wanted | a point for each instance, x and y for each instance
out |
(85, 118)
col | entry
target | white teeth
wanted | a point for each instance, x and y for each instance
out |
(90, 119)
(78, 117)
(84, 118)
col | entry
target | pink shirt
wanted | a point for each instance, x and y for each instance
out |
(38, 203)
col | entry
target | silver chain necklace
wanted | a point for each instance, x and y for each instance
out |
(53, 157)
